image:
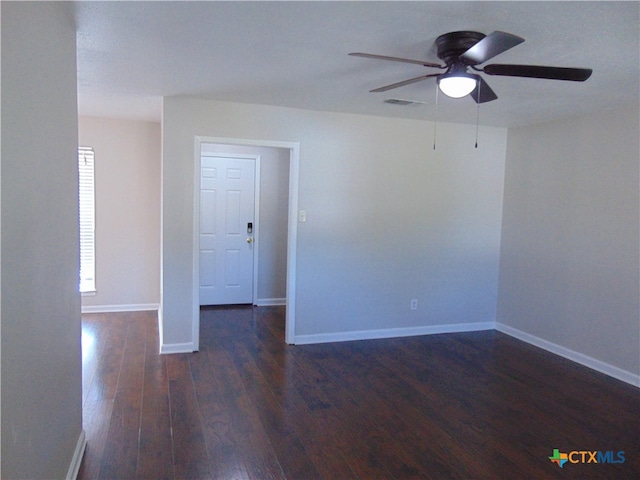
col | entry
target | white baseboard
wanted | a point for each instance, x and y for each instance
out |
(590, 362)
(76, 460)
(572, 355)
(392, 333)
(270, 302)
(177, 348)
(137, 307)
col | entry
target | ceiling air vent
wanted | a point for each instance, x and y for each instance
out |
(404, 103)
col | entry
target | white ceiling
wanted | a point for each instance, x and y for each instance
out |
(294, 54)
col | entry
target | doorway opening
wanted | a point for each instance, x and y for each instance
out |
(274, 266)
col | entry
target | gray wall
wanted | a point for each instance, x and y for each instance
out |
(569, 268)
(41, 354)
(388, 218)
(127, 176)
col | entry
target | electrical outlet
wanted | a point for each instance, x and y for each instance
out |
(302, 216)
(414, 304)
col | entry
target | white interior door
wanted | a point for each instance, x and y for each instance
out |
(227, 204)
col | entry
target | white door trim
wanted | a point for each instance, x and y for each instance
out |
(292, 231)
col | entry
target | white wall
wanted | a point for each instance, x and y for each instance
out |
(274, 201)
(127, 172)
(41, 354)
(388, 218)
(569, 270)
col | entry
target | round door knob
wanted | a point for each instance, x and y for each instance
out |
(249, 240)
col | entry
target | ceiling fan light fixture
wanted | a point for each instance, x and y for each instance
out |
(456, 84)
(466, 49)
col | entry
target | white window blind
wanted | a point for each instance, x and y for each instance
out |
(87, 219)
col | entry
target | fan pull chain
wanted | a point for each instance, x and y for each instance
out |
(435, 121)
(478, 114)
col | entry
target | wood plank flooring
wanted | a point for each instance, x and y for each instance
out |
(477, 405)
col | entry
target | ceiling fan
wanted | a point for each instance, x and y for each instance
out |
(464, 50)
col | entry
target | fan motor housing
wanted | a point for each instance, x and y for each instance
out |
(451, 45)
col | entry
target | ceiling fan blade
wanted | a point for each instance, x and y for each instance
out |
(403, 83)
(493, 44)
(534, 71)
(482, 93)
(396, 59)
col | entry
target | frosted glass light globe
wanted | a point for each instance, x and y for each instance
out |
(456, 86)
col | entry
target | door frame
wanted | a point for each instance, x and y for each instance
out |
(256, 213)
(292, 229)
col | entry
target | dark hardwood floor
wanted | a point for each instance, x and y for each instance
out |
(475, 405)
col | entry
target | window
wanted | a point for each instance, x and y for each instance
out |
(87, 220)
